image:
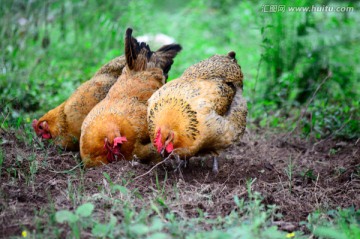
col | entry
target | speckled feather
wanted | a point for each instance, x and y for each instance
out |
(204, 107)
(65, 120)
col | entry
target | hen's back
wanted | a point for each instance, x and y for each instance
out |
(91, 93)
(205, 105)
(208, 85)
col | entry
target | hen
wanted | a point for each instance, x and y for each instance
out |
(116, 128)
(63, 123)
(202, 111)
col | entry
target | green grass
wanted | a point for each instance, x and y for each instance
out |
(123, 218)
(250, 219)
(290, 173)
(284, 56)
(107, 207)
(335, 224)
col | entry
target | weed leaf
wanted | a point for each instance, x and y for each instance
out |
(66, 216)
(158, 235)
(119, 188)
(85, 210)
(100, 230)
(140, 229)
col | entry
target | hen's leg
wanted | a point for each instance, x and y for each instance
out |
(179, 163)
(215, 168)
(187, 163)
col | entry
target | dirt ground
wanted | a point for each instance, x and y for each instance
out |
(297, 175)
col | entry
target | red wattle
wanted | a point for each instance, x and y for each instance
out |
(110, 157)
(46, 136)
(170, 147)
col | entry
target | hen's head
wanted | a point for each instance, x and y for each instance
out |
(113, 150)
(164, 141)
(41, 129)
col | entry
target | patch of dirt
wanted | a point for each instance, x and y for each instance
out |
(296, 175)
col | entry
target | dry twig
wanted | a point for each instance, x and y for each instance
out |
(155, 166)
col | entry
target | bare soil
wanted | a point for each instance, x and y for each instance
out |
(297, 175)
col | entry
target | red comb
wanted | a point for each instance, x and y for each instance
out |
(119, 140)
(34, 123)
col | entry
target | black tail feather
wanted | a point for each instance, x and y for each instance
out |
(175, 48)
(133, 49)
(166, 55)
(162, 58)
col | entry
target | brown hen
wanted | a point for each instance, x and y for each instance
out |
(202, 111)
(63, 123)
(116, 128)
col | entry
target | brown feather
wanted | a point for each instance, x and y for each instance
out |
(123, 111)
(65, 120)
(204, 108)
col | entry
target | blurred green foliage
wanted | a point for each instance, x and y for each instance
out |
(48, 48)
(337, 224)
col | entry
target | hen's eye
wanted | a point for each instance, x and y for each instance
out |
(40, 126)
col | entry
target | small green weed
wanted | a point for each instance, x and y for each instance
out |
(335, 224)
(76, 220)
(290, 172)
(308, 174)
(33, 168)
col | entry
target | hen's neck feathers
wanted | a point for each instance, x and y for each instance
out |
(176, 115)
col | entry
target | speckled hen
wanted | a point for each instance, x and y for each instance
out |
(203, 111)
(116, 128)
(63, 123)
